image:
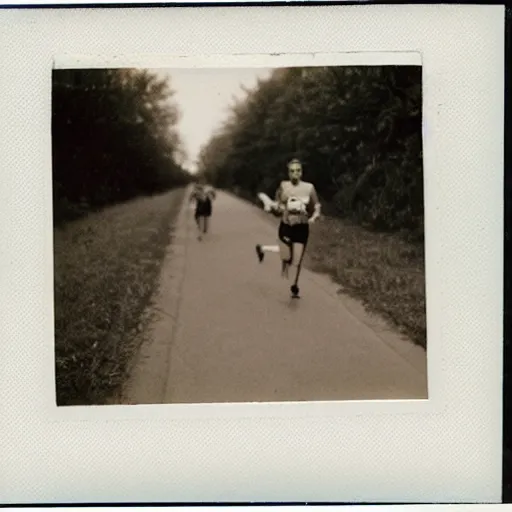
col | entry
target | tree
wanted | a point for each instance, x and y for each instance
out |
(356, 129)
(114, 138)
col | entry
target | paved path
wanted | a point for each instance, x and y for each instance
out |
(227, 329)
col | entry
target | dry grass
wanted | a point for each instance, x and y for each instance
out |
(106, 267)
(384, 271)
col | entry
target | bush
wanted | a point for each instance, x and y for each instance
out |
(356, 129)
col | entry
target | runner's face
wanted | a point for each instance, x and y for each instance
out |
(295, 172)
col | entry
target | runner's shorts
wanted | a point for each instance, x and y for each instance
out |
(204, 209)
(296, 234)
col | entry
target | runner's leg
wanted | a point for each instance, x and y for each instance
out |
(207, 215)
(200, 221)
(279, 248)
(286, 251)
(283, 248)
(298, 256)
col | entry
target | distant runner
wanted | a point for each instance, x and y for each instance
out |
(203, 195)
(296, 202)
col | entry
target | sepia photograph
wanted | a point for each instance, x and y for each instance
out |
(238, 235)
(252, 266)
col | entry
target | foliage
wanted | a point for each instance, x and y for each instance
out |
(356, 129)
(382, 270)
(114, 138)
(106, 270)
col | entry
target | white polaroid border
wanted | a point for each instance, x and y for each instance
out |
(239, 61)
(371, 451)
(210, 63)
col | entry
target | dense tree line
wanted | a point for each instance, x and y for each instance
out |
(356, 129)
(114, 138)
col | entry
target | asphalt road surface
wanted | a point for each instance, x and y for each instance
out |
(226, 329)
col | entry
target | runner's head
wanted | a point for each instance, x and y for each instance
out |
(295, 170)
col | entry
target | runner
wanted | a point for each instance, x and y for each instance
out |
(203, 195)
(296, 202)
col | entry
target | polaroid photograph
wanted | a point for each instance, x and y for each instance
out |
(251, 254)
(171, 283)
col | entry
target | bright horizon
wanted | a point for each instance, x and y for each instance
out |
(203, 97)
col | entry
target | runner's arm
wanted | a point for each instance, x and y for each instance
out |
(211, 193)
(317, 207)
(279, 208)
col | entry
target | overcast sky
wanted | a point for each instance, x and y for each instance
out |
(204, 97)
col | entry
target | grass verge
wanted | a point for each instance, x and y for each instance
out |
(383, 270)
(106, 270)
